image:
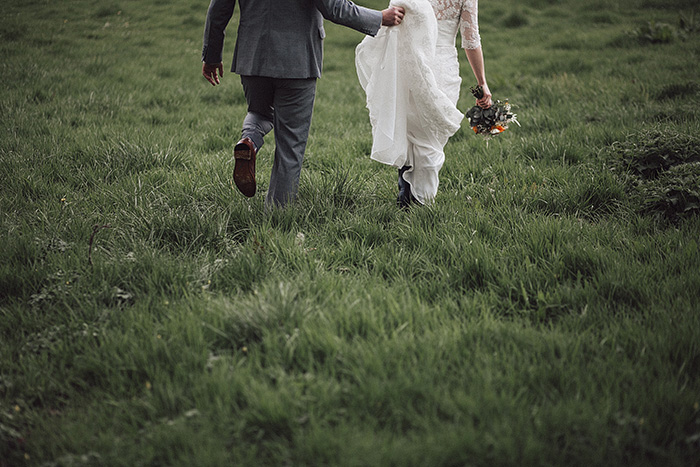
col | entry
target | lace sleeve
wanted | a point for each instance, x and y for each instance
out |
(469, 24)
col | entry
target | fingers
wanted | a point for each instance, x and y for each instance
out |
(210, 79)
(484, 103)
(392, 16)
(208, 75)
(400, 12)
(212, 72)
(213, 77)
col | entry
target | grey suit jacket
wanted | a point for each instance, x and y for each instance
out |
(281, 38)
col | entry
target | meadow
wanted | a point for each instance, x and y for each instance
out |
(544, 311)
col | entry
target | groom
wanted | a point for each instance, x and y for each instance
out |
(278, 53)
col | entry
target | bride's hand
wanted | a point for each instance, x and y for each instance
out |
(485, 102)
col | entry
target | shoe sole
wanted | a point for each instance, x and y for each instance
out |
(244, 170)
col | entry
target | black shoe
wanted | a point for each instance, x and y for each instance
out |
(404, 199)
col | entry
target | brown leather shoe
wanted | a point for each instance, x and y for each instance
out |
(244, 170)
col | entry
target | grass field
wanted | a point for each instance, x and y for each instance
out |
(544, 311)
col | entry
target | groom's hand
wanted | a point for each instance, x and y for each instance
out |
(209, 71)
(392, 16)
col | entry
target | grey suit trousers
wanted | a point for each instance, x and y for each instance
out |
(287, 106)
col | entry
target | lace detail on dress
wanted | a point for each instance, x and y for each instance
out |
(466, 11)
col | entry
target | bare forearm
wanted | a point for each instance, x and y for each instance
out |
(476, 60)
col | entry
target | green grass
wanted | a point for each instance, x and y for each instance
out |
(544, 311)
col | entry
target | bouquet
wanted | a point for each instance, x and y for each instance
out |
(491, 121)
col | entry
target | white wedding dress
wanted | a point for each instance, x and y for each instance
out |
(410, 74)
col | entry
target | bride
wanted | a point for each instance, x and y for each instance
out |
(410, 74)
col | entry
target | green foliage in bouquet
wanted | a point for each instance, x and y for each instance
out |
(491, 121)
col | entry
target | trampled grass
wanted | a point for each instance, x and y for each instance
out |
(543, 312)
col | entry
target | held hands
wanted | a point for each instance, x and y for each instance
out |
(392, 16)
(209, 71)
